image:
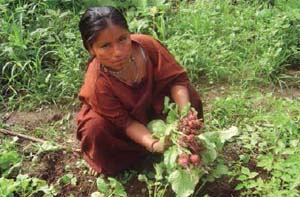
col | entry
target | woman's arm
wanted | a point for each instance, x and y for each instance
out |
(141, 135)
(180, 95)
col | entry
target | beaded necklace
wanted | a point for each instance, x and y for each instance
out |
(120, 72)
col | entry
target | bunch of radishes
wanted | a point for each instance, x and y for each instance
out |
(189, 126)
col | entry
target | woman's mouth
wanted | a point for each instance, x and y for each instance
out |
(122, 61)
(118, 61)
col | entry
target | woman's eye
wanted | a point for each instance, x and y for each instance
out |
(122, 39)
(104, 46)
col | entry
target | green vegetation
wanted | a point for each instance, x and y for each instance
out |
(270, 138)
(192, 156)
(109, 188)
(41, 53)
(42, 58)
(243, 56)
(22, 185)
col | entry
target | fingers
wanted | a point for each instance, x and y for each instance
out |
(167, 142)
(158, 147)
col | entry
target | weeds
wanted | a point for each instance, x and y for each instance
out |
(40, 59)
(269, 139)
(22, 184)
(243, 43)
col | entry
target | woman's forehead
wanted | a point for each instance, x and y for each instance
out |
(111, 33)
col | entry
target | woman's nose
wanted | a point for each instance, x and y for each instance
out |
(117, 50)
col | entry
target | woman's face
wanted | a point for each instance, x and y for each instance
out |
(112, 47)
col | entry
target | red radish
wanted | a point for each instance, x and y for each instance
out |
(194, 116)
(195, 159)
(186, 131)
(190, 137)
(185, 122)
(191, 116)
(199, 123)
(190, 123)
(184, 160)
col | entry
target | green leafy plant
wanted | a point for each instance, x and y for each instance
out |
(111, 187)
(9, 157)
(268, 145)
(183, 174)
(22, 184)
(68, 179)
(156, 185)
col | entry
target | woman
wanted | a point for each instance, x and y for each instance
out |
(127, 79)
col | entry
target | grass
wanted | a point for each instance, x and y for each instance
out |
(242, 43)
(246, 43)
(42, 56)
(236, 54)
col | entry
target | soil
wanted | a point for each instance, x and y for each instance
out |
(52, 165)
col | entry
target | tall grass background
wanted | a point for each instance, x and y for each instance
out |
(245, 43)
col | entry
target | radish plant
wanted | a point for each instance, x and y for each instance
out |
(193, 153)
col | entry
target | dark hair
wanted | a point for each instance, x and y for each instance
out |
(96, 19)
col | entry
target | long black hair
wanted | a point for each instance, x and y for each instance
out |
(96, 19)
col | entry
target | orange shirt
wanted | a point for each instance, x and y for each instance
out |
(120, 103)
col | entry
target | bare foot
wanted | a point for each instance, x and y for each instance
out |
(93, 172)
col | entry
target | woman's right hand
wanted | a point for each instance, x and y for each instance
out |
(157, 146)
(141, 135)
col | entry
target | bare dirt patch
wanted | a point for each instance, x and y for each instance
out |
(31, 120)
